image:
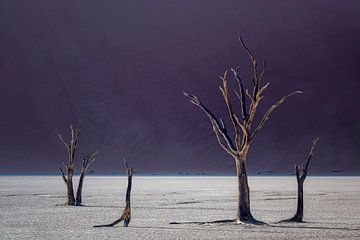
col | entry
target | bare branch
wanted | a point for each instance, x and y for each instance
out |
(311, 153)
(263, 88)
(241, 94)
(62, 139)
(247, 50)
(218, 130)
(233, 117)
(267, 114)
(87, 160)
(63, 175)
(125, 163)
(263, 70)
(256, 79)
(92, 158)
(249, 95)
(245, 134)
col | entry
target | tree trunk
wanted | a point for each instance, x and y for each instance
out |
(300, 202)
(79, 190)
(244, 212)
(127, 210)
(70, 188)
(301, 172)
(126, 215)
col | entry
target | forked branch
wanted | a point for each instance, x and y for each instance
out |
(302, 169)
(87, 160)
(271, 109)
(311, 153)
(241, 94)
(219, 127)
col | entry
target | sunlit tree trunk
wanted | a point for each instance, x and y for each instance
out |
(244, 211)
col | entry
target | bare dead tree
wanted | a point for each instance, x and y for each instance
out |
(301, 171)
(126, 215)
(244, 131)
(69, 166)
(87, 160)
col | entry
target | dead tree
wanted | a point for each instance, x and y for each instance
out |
(126, 215)
(69, 166)
(87, 160)
(244, 131)
(301, 171)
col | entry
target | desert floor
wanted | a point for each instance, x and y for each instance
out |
(32, 207)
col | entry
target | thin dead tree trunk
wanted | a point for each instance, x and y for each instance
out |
(244, 132)
(71, 148)
(301, 173)
(126, 215)
(87, 160)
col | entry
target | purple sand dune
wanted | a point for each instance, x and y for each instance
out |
(121, 67)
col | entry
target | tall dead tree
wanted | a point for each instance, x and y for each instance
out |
(87, 160)
(244, 131)
(69, 166)
(301, 171)
(126, 215)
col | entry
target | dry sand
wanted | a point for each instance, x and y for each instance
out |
(31, 207)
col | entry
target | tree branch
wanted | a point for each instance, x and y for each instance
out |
(63, 175)
(256, 80)
(233, 117)
(267, 114)
(241, 94)
(62, 139)
(217, 128)
(311, 153)
(88, 160)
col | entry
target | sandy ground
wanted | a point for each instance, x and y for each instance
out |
(31, 207)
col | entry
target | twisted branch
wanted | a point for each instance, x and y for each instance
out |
(218, 128)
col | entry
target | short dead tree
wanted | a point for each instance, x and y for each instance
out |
(70, 164)
(301, 171)
(87, 160)
(126, 215)
(245, 130)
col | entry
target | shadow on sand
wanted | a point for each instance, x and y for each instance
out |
(231, 221)
(297, 226)
(272, 225)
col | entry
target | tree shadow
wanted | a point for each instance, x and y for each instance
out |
(206, 222)
(315, 227)
(224, 221)
(175, 228)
